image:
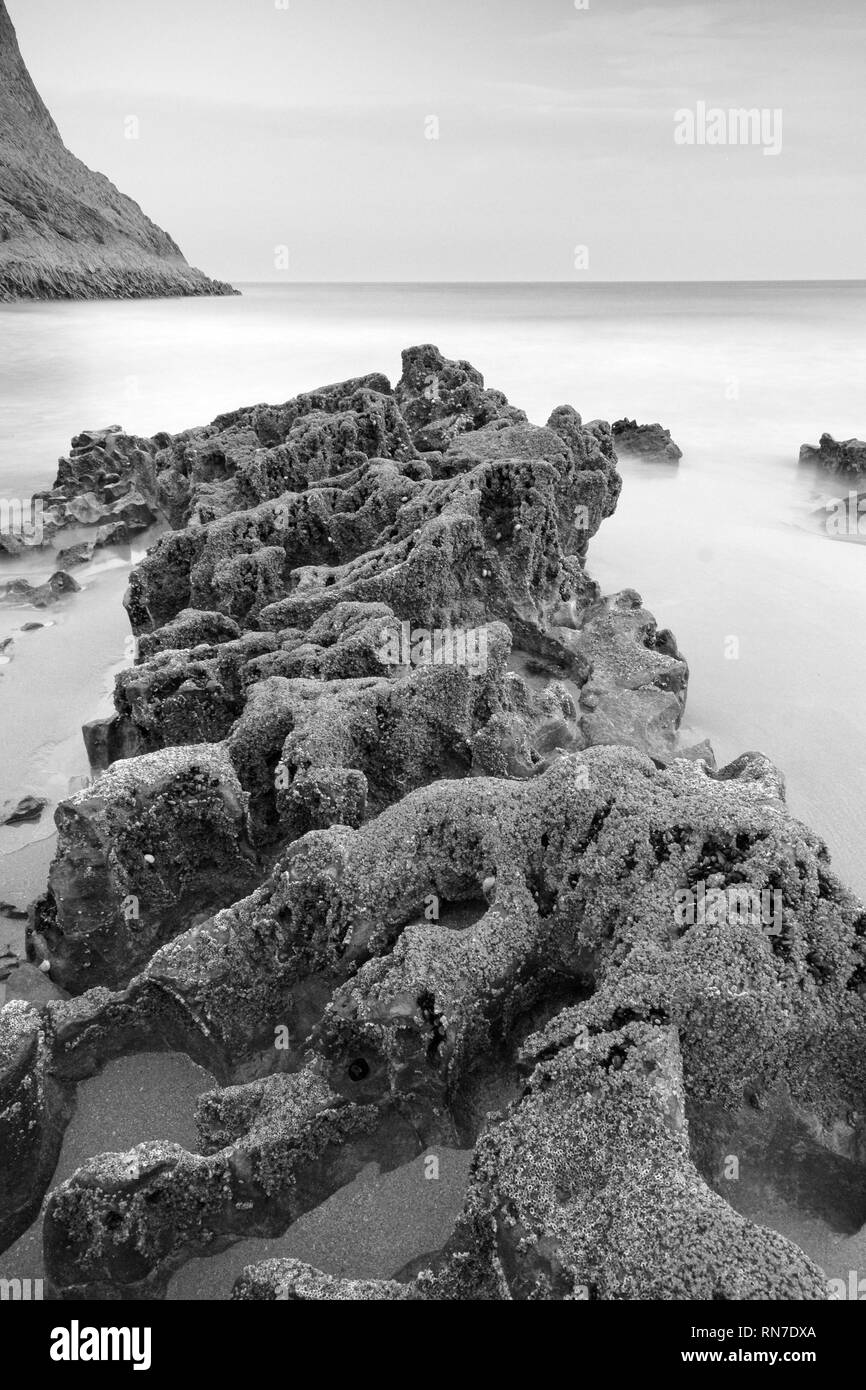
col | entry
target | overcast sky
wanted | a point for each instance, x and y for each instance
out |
(306, 127)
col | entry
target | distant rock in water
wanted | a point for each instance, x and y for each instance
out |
(844, 456)
(66, 232)
(650, 441)
(21, 591)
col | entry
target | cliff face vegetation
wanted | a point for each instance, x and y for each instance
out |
(65, 231)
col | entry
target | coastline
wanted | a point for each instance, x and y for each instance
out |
(25, 281)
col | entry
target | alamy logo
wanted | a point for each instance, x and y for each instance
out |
(20, 1290)
(854, 1290)
(77, 1343)
(738, 905)
(740, 126)
(21, 520)
(448, 646)
(847, 517)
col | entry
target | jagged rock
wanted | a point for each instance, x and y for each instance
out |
(582, 867)
(494, 869)
(112, 533)
(22, 592)
(12, 545)
(636, 692)
(846, 457)
(108, 739)
(191, 628)
(34, 1110)
(649, 441)
(67, 232)
(141, 853)
(133, 511)
(439, 399)
(107, 482)
(10, 910)
(757, 768)
(80, 554)
(700, 752)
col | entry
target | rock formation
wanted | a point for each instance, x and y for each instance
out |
(846, 457)
(648, 441)
(391, 778)
(66, 232)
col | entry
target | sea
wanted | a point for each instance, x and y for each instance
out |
(738, 549)
(734, 549)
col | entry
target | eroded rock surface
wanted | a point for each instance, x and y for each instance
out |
(846, 457)
(648, 441)
(390, 781)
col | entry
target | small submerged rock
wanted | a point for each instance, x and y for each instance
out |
(80, 554)
(12, 545)
(22, 592)
(846, 457)
(29, 808)
(649, 441)
(114, 533)
(18, 914)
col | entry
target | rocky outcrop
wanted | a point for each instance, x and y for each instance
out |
(391, 781)
(21, 592)
(106, 485)
(141, 855)
(847, 457)
(648, 441)
(34, 1110)
(66, 232)
(556, 900)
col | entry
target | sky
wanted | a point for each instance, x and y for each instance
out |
(312, 140)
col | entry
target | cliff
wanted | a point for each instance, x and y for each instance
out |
(65, 231)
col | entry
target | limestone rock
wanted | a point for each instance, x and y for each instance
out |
(845, 457)
(648, 441)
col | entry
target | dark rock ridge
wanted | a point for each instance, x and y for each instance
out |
(846, 457)
(650, 441)
(66, 232)
(440, 878)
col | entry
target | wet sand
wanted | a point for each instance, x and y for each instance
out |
(151, 1095)
(369, 1229)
